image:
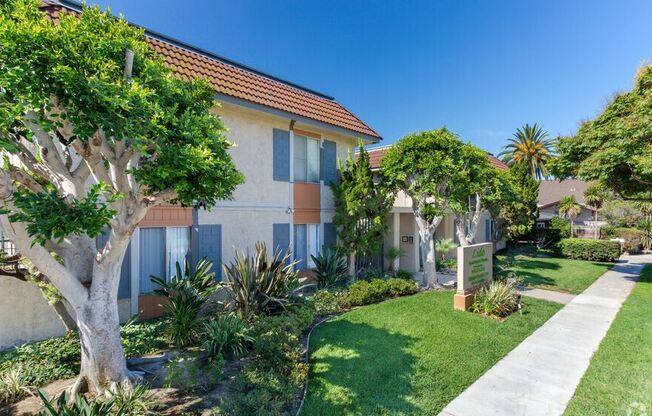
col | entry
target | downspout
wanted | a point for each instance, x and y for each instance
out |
(291, 189)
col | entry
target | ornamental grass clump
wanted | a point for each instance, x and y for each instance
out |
(226, 334)
(260, 283)
(499, 299)
(13, 385)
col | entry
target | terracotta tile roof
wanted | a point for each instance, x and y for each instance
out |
(238, 81)
(551, 192)
(376, 155)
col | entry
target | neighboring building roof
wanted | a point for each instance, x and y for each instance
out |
(551, 192)
(377, 154)
(241, 82)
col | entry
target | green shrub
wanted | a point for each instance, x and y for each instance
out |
(275, 373)
(135, 402)
(499, 299)
(327, 303)
(260, 283)
(562, 225)
(645, 227)
(446, 264)
(13, 385)
(592, 250)
(331, 269)
(376, 290)
(226, 334)
(79, 407)
(190, 371)
(403, 274)
(186, 293)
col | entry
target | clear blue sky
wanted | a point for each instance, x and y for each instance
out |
(481, 68)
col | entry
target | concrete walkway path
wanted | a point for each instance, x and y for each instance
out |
(540, 375)
(551, 295)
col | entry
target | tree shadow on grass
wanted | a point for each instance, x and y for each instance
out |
(526, 268)
(359, 369)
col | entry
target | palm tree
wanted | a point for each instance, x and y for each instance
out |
(569, 208)
(531, 146)
(594, 197)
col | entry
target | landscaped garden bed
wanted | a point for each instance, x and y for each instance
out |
(410, 355)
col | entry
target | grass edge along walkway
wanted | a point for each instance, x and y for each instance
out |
(410, 355)
(619, 378)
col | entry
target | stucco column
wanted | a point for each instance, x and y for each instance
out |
(396, 236)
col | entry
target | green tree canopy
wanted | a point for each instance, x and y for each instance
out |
(615, 148)
(361, 206)
(97, 131)
(521, 213)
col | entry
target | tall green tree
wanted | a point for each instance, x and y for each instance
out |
(432, 168)
(615, 148)
(361, 207)
(502, 200)
(569, 208)
(531, 146)
(99, 132)
(521, 214)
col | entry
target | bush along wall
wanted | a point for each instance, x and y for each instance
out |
(592, 250)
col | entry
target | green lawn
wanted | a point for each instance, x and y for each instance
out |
(619, 379)
(411, 355)
(553, 273)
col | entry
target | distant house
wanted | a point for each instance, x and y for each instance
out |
(551, 192)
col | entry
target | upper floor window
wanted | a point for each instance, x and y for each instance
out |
(306, 159)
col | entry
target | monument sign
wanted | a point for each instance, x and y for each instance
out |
(474, 270)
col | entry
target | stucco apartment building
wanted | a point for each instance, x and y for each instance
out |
(403, 230)
(287, 142)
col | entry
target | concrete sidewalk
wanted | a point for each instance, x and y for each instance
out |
(540, 375)
(550, 295)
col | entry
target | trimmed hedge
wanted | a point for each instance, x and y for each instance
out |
(592, 250)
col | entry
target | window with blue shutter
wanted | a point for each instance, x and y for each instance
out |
(301, 246)
(210, 246)
(281, 155)
(328, 170)
(152, 257)
(330, 235)
(281, 237)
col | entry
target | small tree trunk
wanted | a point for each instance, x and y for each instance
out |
(428, 255)
(352, 266)
(64, 315)
(103, 364)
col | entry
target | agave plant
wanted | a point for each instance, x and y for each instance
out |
(645, 225)
(331, 269)
(186, 293)
(80, 406)
(226, 333)
(260, 283)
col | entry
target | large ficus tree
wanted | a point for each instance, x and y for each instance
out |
(432, 168)
(361, 207)
(96, 131)
(615, 148)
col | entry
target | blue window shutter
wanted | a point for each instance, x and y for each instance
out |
(281, 155)
(124, 290)
(487, 230)
(152, 257)
(210, 246)
(328, 168)
(281, 237)
(330, 235)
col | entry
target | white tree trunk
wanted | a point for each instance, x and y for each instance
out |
(427, 244)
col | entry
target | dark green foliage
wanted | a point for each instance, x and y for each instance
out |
(58, 358)
(645, 227)
(521, 215)
(403, 274)
(331, 269)
(81, 406)
(49, 216)
(190, 371)
(226, 334)
(327, 303)
(275, 373)
(377, 290)
(614, 149)
(260, 283)
(559, 228)
(184, 295)
(361, 206)
(593, 250)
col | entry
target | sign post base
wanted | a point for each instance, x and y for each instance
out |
(462, 301)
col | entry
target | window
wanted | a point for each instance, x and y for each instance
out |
(160, 249)
(306, 244)
(178, 246)
(306, 159)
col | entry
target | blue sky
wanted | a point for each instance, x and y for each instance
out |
(481, 68)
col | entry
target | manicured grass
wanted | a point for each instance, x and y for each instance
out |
(553, 273)
(619, 379)
(410, 355)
